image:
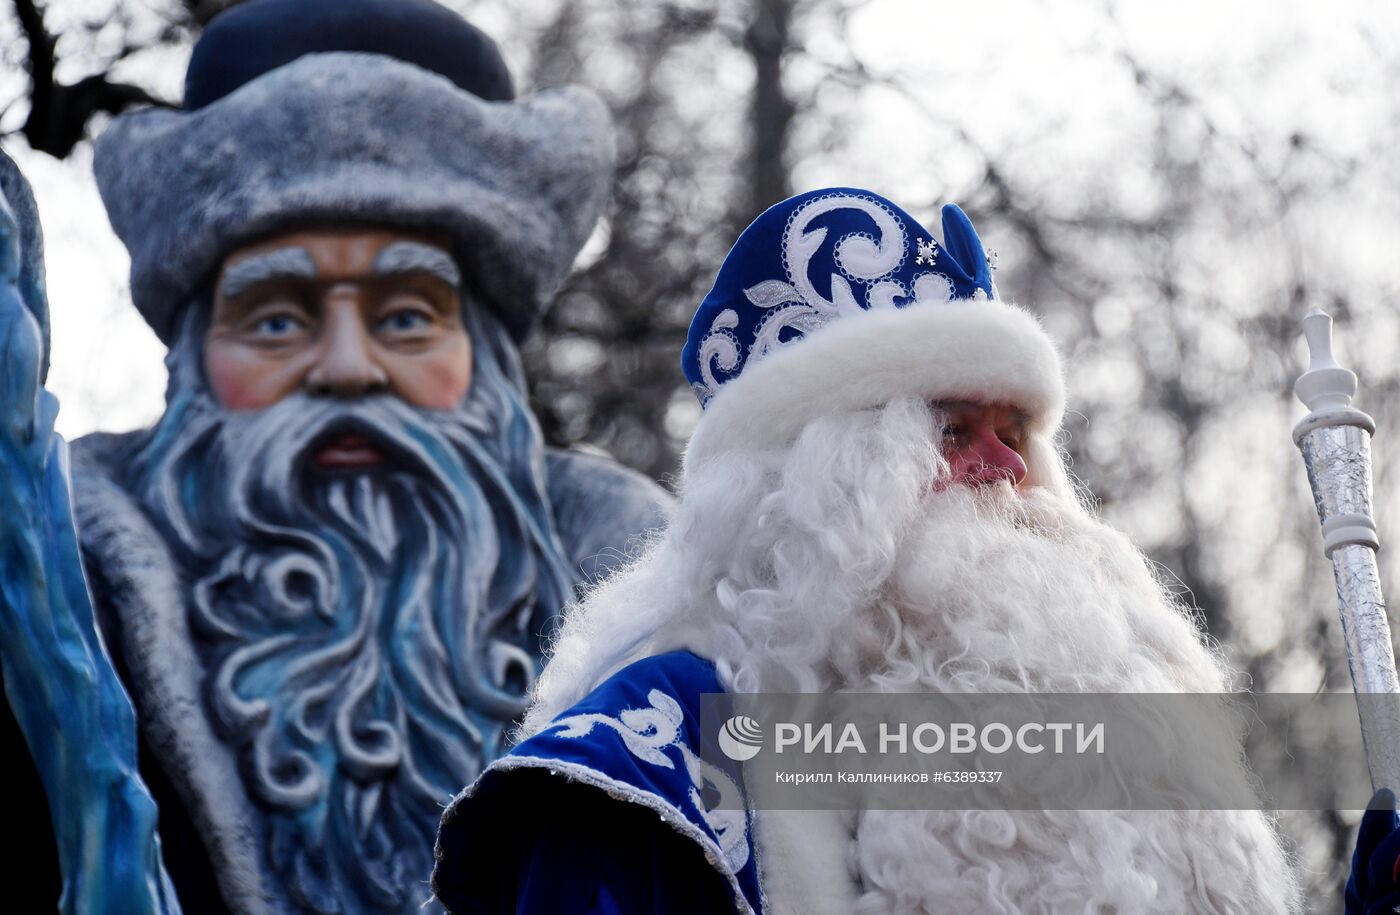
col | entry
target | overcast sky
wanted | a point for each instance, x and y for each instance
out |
(1257, 61)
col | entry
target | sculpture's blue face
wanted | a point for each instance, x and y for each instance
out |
(339, 313)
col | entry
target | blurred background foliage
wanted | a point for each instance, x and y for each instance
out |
(1171, 186)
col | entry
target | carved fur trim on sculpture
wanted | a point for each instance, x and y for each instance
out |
(349, 139)
(148, 600)
(963, 350)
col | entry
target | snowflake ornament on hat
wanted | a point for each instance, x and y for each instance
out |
(836, 300)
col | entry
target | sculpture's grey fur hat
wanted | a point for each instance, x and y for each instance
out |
(359, 139)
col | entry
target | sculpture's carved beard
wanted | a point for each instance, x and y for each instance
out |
(366, 635)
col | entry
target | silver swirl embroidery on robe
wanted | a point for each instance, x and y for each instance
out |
(646, 732)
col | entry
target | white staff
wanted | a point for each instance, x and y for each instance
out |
(1335, 439)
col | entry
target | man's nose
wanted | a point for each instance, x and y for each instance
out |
(993, 459)
(346, 365)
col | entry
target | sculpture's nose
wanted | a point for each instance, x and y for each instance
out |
(346, 365)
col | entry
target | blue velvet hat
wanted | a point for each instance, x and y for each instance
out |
(382, 114)
(837, 299)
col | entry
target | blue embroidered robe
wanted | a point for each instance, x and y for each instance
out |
(608, 810)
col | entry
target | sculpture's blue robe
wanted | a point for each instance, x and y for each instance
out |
(609, 809)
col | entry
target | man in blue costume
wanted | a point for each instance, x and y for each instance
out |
(326, 573)
(872, 501)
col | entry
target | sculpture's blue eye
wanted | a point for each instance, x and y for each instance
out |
(405, 319)
(277, 325)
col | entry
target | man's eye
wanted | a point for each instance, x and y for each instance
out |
(952, 430)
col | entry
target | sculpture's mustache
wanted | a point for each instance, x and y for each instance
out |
(302, 429)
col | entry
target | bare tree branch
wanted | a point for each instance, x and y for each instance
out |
(58, 114)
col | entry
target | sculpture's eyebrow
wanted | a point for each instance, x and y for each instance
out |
(417, 257)
(291, 262)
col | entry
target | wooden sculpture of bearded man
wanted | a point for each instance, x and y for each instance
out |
(327, 571)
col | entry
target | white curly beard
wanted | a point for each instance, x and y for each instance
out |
(833, 566)
(1003, 592)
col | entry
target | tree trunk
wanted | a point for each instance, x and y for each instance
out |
(770, 113)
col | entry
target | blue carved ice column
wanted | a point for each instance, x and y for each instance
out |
(65, 695)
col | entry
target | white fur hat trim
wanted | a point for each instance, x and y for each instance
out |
(984, 351)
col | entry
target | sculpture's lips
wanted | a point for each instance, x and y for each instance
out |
(349, 450)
